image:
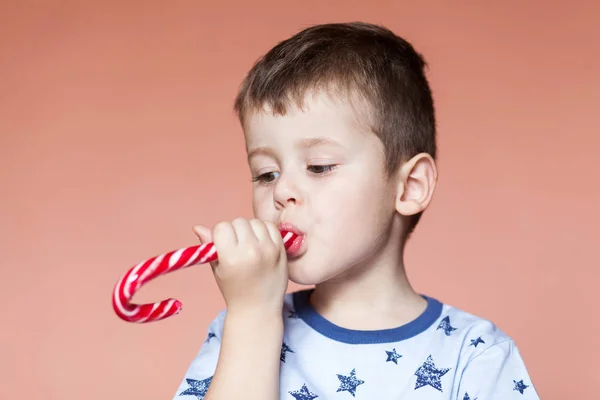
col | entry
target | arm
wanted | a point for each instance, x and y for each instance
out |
(238, 359)
(248, 365)
(252, 276)
(497, 373)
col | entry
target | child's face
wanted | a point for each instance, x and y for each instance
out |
(322, 172)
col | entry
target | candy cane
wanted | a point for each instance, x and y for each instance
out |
(159, 265)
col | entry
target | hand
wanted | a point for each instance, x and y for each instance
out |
(251, 270)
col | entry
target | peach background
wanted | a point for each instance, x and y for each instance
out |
(117, 136)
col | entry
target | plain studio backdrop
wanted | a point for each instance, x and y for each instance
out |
(117, 135)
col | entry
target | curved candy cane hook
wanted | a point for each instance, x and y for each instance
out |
(159, 265)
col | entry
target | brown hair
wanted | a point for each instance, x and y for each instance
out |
(353, 58)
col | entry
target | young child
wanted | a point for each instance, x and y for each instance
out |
(341, 140)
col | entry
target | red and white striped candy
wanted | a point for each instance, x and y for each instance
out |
(159, 265)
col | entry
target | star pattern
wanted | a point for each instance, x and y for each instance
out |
(197, 388)
(428, 374)
(210, 336)
(392, 356)
(520, 386)
(445, 325)
(303, 394)
(349, 383)
(284, 349)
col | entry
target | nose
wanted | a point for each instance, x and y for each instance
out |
(285, 193)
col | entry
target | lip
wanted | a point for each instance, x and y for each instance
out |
(286, 226)
(297, 247)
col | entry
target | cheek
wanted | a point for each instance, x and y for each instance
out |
(330, 204)
(262, 204)
(354, 206)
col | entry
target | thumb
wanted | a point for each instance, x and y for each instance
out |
(205, 236)
(203, 233)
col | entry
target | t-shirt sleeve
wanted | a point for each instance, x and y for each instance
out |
(197, 378)
(498, 372)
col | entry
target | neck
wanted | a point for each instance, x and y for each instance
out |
(373, 295)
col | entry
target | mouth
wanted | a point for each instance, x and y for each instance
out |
(296, 248)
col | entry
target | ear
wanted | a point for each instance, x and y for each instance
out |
(416, 180)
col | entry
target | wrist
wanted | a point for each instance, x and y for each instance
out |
(251, 319)
(256, 310)
(257, 333)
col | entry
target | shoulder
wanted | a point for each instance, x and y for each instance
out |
(454, 319)
(489, 360)
(471, 335)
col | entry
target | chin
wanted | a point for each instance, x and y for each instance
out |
(306, 273)
(303, 277)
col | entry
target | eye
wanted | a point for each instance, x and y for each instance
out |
(267, 177)
(321, 169)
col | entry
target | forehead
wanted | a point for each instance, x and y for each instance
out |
(319, 115)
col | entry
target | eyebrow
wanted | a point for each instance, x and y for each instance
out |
(304, 144)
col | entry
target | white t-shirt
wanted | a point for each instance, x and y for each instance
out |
(444, 354)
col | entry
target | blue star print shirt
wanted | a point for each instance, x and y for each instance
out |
(444, 354)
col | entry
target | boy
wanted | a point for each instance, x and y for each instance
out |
(340, 133)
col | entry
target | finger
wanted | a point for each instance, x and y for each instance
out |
(274, 233)
(244, 231)
(204, 234)
(224, 236)
(260, 230)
